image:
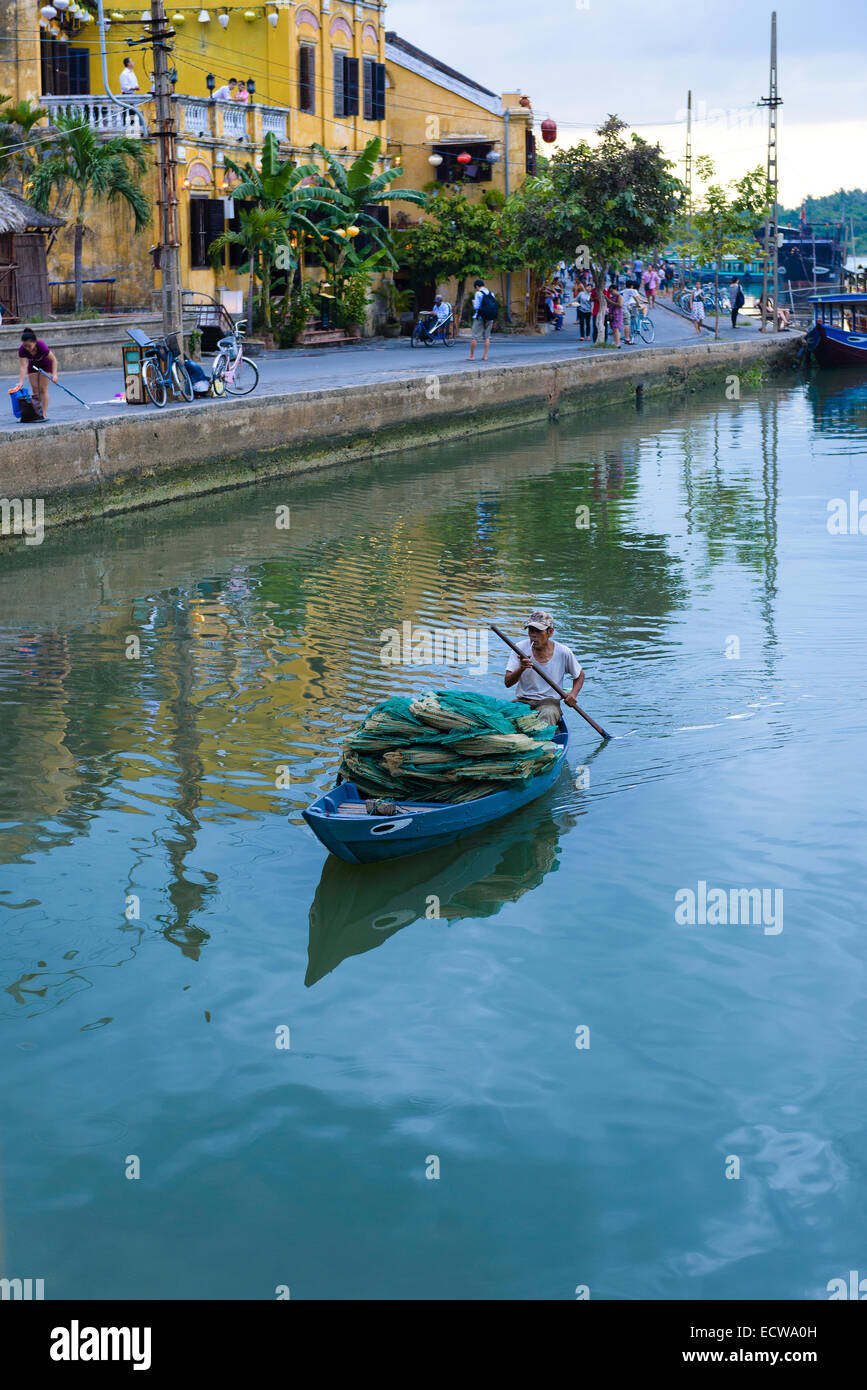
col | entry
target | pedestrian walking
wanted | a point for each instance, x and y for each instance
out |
(485, 310)
(696, 308)
(650, 284)
(583, 313)
(737, 299)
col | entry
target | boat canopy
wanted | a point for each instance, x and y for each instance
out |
(837, 299)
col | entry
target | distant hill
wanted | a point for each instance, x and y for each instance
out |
(851, 203)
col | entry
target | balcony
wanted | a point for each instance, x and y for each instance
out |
(204, 120)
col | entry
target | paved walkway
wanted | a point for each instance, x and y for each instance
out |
(375, 360)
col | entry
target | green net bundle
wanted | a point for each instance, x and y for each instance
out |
(447, 746)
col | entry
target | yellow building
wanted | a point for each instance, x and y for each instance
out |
(436, 115)
(310, 72)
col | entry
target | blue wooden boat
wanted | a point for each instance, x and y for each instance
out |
(838, 337)
(416, 826)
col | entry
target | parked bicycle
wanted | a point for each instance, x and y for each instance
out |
(163, 370)
(237, 373)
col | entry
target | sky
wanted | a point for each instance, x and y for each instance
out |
(578, 60)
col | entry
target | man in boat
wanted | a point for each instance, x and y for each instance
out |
(556, 660)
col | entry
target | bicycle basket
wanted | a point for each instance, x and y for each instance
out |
(171, 342)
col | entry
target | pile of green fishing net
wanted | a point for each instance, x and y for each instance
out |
(447, 746)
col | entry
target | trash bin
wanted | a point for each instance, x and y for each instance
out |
(133, 357)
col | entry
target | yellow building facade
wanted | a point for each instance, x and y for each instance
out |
(435, 115)
(311, 72)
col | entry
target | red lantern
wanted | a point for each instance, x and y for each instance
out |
(464, 158)
(549, 131)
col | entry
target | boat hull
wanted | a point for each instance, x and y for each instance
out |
(417, 826)
(835, 347)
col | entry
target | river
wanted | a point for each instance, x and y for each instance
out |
(232, 1065)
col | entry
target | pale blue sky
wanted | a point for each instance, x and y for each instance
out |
(556, 53)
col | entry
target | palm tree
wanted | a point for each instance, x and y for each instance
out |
(89, 170)
(261, 230)
(356, 189)
(275, 189)
(17, 151)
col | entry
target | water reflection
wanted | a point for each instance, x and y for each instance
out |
(357, 908)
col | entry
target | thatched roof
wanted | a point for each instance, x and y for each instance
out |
(18, 216)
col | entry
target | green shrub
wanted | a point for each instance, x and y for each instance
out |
(303, 301)
(352, 305)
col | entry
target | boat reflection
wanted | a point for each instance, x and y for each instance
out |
(358, 907)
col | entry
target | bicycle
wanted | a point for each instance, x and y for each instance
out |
(641, 322)
(158, 380)
(236, 372)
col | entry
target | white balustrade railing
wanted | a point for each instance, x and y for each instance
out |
(274, 122)
(99, 113)
(195, 117)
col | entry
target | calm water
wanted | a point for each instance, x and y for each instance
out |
(153, 781)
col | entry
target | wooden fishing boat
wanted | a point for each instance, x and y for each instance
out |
(838, 337)
(340, 822)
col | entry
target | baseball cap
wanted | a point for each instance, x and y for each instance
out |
(540, 619)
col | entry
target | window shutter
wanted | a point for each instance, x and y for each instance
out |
(378, 92)
(307, 79)
(368, 88)
(350, 86)
(339, 67)
(79, 71)
(215, 221)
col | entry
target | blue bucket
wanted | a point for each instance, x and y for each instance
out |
(20, 393)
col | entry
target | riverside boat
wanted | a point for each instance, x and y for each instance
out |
(340, 821)
(838, 337)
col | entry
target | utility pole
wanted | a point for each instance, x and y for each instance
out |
(772, 101)
(170, 245)
(687, 167)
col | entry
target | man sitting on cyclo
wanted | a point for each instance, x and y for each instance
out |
(432, 320)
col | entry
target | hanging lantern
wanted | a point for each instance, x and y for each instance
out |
(273, 17)
(204, 17)
(61, 4)
(435, 159)
(48, 12)
(145, 16)
(493, 156)
(223, 19)
(249, 15)
(549, 130)
(61, 37)
(464, 158)
(178, 18)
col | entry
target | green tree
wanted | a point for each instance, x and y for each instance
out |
(458, 238)
(723, 225)
(87, 170)
(536, 226)
(620, 195)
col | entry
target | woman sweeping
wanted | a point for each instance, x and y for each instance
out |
(36, 357)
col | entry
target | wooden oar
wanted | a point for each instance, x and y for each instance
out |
(577, 708)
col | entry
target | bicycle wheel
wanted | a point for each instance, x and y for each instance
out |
(246, 378)
(646, 328)
(181, 384)
(153, 382)
(415, 336)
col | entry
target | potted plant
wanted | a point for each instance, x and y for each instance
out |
(352, 305)
(396, 302)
